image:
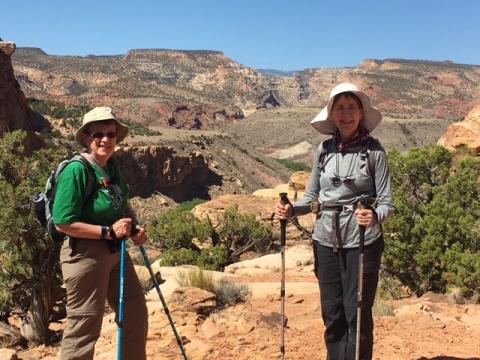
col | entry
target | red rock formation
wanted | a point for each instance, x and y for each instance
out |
(14, 111)
(464, 133)
(150, 169)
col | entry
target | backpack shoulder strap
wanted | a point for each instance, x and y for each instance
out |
(91, 183)
(323, 154)
(368, 147)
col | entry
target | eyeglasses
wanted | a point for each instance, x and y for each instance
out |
(98, 135)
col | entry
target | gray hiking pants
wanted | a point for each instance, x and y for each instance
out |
(91, 276)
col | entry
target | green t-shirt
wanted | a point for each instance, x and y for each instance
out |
(106, 205)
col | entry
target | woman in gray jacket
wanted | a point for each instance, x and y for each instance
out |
(349, 167)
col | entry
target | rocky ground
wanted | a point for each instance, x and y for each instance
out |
(424, 328)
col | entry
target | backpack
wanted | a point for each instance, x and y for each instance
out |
(43, 201)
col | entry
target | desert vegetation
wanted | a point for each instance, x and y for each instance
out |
(432, 242)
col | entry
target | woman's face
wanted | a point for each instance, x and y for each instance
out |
(101, 139)
(347, 113)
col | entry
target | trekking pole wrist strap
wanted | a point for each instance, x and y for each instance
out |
(112, 234)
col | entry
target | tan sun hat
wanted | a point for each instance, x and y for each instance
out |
(324, 123)
(98, 114)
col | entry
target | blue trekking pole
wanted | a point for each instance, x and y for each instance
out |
(165, 307)
(120, 298)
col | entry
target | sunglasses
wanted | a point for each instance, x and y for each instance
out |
(98, 135)
(337, 181)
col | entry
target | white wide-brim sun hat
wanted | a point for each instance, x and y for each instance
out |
(324, 123)
(100, 113)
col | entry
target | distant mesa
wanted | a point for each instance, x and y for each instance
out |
(30, 51)
(275, 72)
(152, 53)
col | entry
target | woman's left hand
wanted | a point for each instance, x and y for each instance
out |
(140, 236)
(365, 217)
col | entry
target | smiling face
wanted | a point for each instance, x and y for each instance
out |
(100, 139)
(346, 112)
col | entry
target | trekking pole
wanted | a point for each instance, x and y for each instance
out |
(165, 307)
(283, 225)
(361, 230)
(120, 298)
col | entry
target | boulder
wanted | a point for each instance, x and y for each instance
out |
(191, 299)
(261, 207)
(464, 133)
(299, 180)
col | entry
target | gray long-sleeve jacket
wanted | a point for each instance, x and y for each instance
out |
(354, 164)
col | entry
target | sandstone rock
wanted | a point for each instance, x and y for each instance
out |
(8, 354)
(14, 111)
(299, 180)
(192, 299)
(198, 349)
(293, 254)
(262, 208)
(466, 132)
(274, 193)
(209, 329)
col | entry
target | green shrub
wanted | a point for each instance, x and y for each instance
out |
(228, 293)
(177, 257)
(240, 232)
(383, 308)
(235, 234)
(136, 128)
(390, 288)
(190, 204)
(433, 241)
(212, 258)
(30, 278)
(175, 229)
(196, 278)
(294, 165)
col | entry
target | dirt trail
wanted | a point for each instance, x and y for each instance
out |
(427, 328)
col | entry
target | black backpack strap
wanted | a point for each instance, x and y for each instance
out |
(323, 155)
(367, 148)
(91, 183)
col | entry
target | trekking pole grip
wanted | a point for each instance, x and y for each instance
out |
(283, 223)
(362, 228)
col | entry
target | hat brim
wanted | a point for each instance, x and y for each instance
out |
(122, 131)
(324, 123)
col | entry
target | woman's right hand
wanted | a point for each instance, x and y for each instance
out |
(122, 227)
(283, 212)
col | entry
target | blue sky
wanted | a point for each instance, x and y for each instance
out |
(281, 34)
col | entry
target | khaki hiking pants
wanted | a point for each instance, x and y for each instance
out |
(91, 276)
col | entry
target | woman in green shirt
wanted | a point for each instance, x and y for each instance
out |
(90, 257)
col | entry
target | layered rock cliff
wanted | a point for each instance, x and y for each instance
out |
(14, 111)
(150, 169)
(149, 85)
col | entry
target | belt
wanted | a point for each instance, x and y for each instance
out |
(336, 209)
